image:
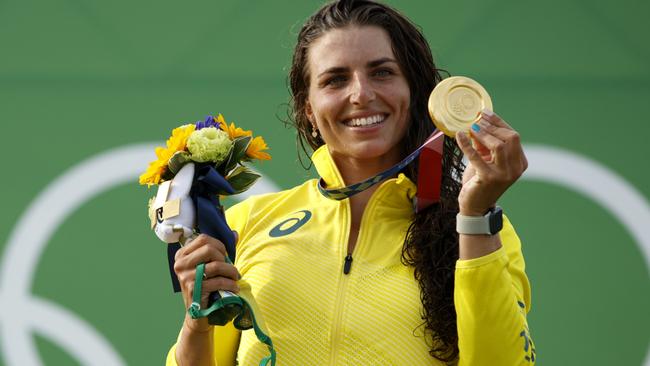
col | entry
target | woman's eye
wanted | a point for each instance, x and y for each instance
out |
(383, 72)
(335, 80)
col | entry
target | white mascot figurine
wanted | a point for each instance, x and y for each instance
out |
(174, 212)
(175, 215)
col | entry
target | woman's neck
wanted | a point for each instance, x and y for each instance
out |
(355, 170)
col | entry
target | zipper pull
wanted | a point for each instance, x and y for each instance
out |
(348, 264)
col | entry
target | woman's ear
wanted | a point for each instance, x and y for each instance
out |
(309, 113)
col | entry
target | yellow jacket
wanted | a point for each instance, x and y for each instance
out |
(291, 249)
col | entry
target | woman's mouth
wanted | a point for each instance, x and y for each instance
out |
(365, 121)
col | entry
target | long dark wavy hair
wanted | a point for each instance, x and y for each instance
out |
(431, 244)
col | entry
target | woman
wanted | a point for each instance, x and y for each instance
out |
(365, 280)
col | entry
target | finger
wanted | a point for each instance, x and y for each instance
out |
(506, 134)
(206, 254)
(487, 139)
(220, 283)
(472, 155)
(221, 269)
(511, 152)
(201, 241)
(494, 118)
(485, 153)
(193, 244)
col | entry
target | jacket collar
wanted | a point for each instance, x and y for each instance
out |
(395, 191)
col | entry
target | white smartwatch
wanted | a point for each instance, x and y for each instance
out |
(488, 224)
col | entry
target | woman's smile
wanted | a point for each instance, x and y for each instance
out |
(365, 122)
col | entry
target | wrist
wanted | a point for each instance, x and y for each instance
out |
(475, 211)
(487, 223)
(470, 212)
(475, 246)
(197, 326)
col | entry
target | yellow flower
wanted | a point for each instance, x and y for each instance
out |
(178, 139)
(255, 149)
(154, 172)
(176, 142)
(219, 119)
(233, 131)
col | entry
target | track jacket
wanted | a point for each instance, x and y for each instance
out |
(292, 249)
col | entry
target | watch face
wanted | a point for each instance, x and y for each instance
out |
(496, 220)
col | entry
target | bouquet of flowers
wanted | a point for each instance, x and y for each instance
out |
(211, 141)
(204, 159)
(201, 163)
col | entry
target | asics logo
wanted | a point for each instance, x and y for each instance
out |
(290, 225)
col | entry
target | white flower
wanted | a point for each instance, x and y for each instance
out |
(209, 144)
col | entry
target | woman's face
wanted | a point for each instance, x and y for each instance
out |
(358, 96)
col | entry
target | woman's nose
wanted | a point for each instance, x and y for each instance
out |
(361, 91)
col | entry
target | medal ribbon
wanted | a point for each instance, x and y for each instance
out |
(243, 306)
(429, 175)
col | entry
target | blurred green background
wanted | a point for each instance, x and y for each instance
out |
(82, 78)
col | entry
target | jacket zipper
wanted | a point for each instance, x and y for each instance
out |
(338, 320)
(348, 263)
(344, 279)
(343, 284)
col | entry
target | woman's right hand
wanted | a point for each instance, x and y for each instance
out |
(218, 274)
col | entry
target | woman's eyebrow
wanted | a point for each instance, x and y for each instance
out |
(375, 63)
(342, 69)
(334, 70)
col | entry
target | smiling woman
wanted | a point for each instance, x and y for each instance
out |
(325, 272)
(359, 100)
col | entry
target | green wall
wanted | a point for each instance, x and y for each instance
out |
(81, 272)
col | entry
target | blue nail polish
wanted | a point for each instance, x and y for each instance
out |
(475, 127)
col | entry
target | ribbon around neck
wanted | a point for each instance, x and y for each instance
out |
(429, 175)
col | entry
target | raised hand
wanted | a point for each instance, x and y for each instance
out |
(496, 161)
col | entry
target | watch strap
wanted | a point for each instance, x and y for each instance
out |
(488, 224)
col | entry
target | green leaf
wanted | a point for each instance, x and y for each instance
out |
(177, 161)
(166, 175)
(237, 153)
(242, 178)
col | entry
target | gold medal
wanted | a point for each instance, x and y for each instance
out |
(456, 103)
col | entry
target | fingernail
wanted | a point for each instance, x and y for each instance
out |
(475, 127)
(487, 112)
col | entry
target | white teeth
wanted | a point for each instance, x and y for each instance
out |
(365, 121)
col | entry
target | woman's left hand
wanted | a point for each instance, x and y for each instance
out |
(496, 161)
